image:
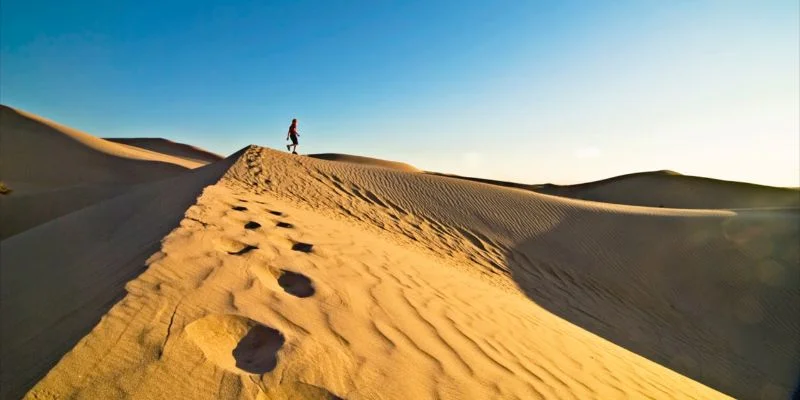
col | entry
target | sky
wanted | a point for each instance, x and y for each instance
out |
(527, 91)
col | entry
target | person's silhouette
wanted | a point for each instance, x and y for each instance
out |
(293, 134)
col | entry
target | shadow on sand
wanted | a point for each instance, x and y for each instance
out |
(715, 299)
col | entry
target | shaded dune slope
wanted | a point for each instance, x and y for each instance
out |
(666, 189)
(60, 277)
(169, 147)
(375, 162)
(299, 275)
(55, 170)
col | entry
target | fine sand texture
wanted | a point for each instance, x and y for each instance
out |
(55, 170)
(295, 277)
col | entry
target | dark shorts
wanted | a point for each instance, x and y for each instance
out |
(294, 138)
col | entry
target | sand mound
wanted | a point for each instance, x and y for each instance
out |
(55, 170)
(664, 189)
(164, 146)
(364, 282)
(374, 162)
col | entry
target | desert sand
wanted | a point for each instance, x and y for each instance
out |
(267, 275)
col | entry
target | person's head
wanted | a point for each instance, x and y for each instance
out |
(294, 121)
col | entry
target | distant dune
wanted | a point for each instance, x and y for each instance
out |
(666, 189)
(168, 147)
(27, 139)
(267, 275)
(374, 162)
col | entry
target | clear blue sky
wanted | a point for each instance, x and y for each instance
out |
(530, 91)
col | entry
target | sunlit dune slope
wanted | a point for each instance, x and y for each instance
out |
(298, 277)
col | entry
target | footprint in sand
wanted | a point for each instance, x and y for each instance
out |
(234, 247)
(296, 284)
(252, 225)
(278, 213)
(304, 247)
(248, 248)
(284, 225)
(237, 344)
(239, 208)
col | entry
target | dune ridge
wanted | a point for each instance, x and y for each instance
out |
(363, 282)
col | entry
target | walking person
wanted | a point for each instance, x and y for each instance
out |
(293, 134)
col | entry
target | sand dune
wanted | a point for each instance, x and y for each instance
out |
(89, 159)
(54, 170)
(297, 277)
(164, 146)
(375, 162)
(666, 189)
(301, 277)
